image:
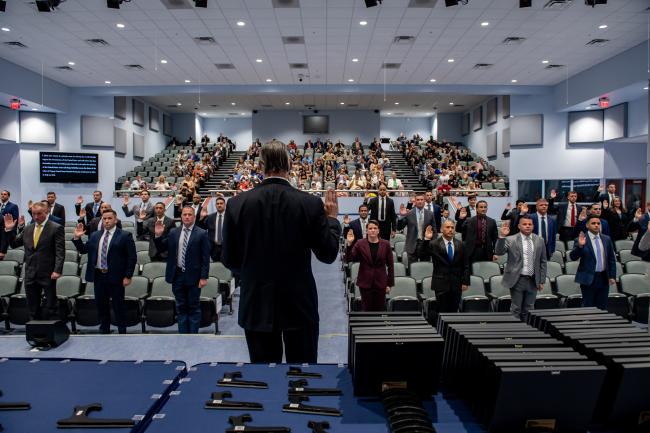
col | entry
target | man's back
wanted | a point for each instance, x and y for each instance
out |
(269, 233)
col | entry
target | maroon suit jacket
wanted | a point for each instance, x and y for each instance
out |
(372, 274)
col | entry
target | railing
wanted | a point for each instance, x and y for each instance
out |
(480, 192)
(136, 192)
(320, 192)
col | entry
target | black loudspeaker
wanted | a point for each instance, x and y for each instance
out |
(254, 111)
(525, 3)
(201, 3)
(376, 111)
(46, 334)
(449, 3)
(371, 3)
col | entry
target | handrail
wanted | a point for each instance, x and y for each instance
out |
(402, 192)
(465, 192)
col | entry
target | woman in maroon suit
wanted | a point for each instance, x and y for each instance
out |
(376, 274)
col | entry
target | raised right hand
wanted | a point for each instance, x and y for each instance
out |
(582, 240)
(331, 203)
(78, 231)
(82, 213)
(29, 204)
(9, 221)
(463, 213)
(601, 188)
(428, 233)
(505, 229)
(402, 210)
(350, 237)
(80, 200)
(553, 194)
(638, 214)
(346, 219)
(159, 229)
(509, 206)
(126, 199)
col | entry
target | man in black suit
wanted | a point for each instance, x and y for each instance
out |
(111, 262)
(431, 206)
(213, 223)
(6, 207)
(44, 244)
(96, 223)
(268, 239)
(417, 220)
(382, 209)
(195, 204)
(450, 266)
(56, 209)
(358, 226)
(609, 195)
(188, 265)
(91, 210)
(470, 209)
(146, 231)
(567, 215)
(479, 234)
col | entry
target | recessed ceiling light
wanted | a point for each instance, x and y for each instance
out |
(341, 103)
(602, 26)
(433, 80)
(243, 114)
(287, 103)
(389, 113)
(645, 88)
(241, 23)
(485, 24)
(163, 61)
(34, 109)
(451, 103)
(5, 29)
(450, 60)
(178, 104)
(120, 25)
(71, 63)
(203, 114)
(544, 61)
(513, 81)
(397, 103)
(107, 82)
(363, 23)
(258, 60)
(188, 81)
(233, 103)
(268, 80)
(587, 108)
(355, 60)
(350, 80)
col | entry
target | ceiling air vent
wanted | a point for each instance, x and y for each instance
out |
(293, 40)
(297, 65)
(483, 66)
(597, 42)
(513, 40)
(134, 67)
(233, 114)
(266, 106)
(15, 44)
(554, 66)
(422, 3)
(224, 65)
(214, 105)
(398, 114)
(176, 4)
(391, 65)
(403, 40)
(63, 68)
(285, 3)
(97, 42)
(309, 105)
(459, 105)
(172, 106)
(352, 105)
(557, 4)
(205, 40)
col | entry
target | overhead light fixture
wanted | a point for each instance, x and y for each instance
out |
(450, 60)
(188, 81)
(593, 3)
(233, 103)
(363, 23)
(513, 81)
(47, 5)
(397, 103)
(485, 24)
(5, 29)
(287, 103)
(389, 113)
(602, 26)
(107, 82)
(163, 61)
(201, 3)
(341, 103)
(451, 103)
(545, 61)
(645, 88)
(113, 4)
(268, 80)
(350, 80)
(71, 63)
(587, 108)
(178, 104)
(203, 114)
(433, 80)
(120, 25)
(34, 109)
(258, 60)
(525, 3)
(241, 23)
(355, 60)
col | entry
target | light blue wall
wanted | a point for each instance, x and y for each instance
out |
(449, 127)
(637, 117)
(344, 125)
(391, 127)
(624, 160)
(239, 130)
(10, 168)
(477, 140)
(183, 125)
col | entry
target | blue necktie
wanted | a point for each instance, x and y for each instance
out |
(450, 252)
(599, 258)
(186, 235)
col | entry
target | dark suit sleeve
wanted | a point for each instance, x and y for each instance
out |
(162, 242)
(128, 212)
(393, 217)
(611, 260)
(80, 246)
(494, 234)
(14, 212)
(231, 254)
(466, 268)
(425, 249)
(325, 233)
(401, 222)
(205, 256)
(62, 213)
(352, 253)
(131, 256)
(59, 247)
(13, 238)
(77, 208)
(177, 211)
(577, 252)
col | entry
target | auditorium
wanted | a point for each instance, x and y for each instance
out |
(414, 216)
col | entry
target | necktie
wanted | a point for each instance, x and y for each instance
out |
(528, 247)
(37, 234)
(2, 208)
(219, 224)
(95, 207)
(381, 209)
(544, 229)
(599, 258)
(99, 226)
(419, 221)
(186, 236)
(450, 252)
(102, 260)
(363, 228)
(429, 207)
(573, 215)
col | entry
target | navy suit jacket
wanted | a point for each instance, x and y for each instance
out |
(11, 208)
(604, 226)
(355, 226)
(551, 226)
(121, 257)
(587, 256)
(197, 255)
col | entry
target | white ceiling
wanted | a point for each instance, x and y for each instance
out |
(332, 36)
(411, 105)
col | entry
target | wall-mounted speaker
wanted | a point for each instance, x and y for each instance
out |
(254, 111)
(376, 111)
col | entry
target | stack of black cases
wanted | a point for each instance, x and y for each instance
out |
(393, 350)
(515, 377)
(621, 347)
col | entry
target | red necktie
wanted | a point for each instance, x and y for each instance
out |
(573, 215)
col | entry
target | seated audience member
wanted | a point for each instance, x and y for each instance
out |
(162, 184)
(376, 270)
(136, 183)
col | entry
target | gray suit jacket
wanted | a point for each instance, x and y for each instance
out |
(411, 221)
(146, 232)
(135, 210)
(514, 247)
(47, 257)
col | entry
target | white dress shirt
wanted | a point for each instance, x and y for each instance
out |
(567, 217)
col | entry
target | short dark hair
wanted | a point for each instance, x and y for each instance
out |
(51, 192)
(481, 201)
(110, 211)
(7, 191)
(590, 217)
(97, 191)
(375, 222)
(520, 200)
(220, 199)
(363, 205)
(591, 206)
(187, 207)
(274, 157)
(525, 216)
(159, 203)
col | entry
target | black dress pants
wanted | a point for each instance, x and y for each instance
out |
(34, 293)
(300, 345)
(107, 293)
(448, 301)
